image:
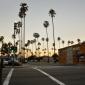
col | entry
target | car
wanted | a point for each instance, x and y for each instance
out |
(14, 62)
(5, 61)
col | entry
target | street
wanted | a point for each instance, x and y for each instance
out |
(47, 74)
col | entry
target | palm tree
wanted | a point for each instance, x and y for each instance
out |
(78, 40)
(18, 32)
(15, 31)
(52, 14)
(39, 44)
(43, 39)
(1, 39)
(59, 41)
(46, 24)
(34, 41)
(69, 42)
(63, 43)
(31, 42)
(28, 42)
(72, 42)
(4, 48)
(22, 14)
(36, 36)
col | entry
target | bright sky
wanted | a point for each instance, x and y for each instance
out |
(69, 21)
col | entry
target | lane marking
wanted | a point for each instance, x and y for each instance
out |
(6, 81)
(51, 77)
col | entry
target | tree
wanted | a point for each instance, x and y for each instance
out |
(1, 39)
(72, 42)
(59, 41)
(43, 39)
(22, 15)
(46, 24)
(4, 48)
(36, 36)
(69, 42)
(78, 40)
(63, 42)
(20, 24)
(52, 14)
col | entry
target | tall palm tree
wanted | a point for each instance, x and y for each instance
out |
(63, 43)
(31, 42)
(43, 39)
(1, 40)
(34, 41)
(21, 16)
(22, 12)
(46, 24)
(36, 36)
(15, 31)
(52, 14)
(39, 44)
(59, 41)
(18, 32)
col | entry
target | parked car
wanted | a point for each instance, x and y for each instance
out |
(14, 62)
(5, 61)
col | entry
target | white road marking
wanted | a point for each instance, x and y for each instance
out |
(6, 82)
(51, 77)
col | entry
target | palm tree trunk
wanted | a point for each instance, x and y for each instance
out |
(47, 45)
(59, 44)
(24, 36)
(43, 47)
(19, 41)
(53, 35)
(21, 36)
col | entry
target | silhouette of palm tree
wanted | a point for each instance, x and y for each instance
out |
(69, 42)
(36, 36)
(63, 42)
(43, 39)
(78, 40)
(59, 41)
(1, 39)
(52, 14)
(46, 24)
(22, 14)
(72, 42)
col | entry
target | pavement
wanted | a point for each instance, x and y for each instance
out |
(40, 73)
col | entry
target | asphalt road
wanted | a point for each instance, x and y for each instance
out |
(38, 74)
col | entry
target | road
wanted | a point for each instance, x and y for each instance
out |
(46, 74)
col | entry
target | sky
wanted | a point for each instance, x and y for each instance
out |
(69, 21)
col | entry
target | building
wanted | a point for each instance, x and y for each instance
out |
(74, 54)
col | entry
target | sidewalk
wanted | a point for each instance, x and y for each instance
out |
(52, 64)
